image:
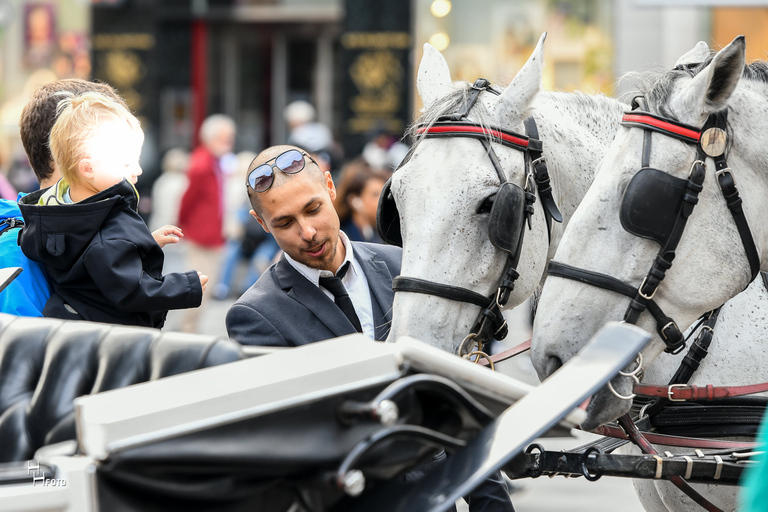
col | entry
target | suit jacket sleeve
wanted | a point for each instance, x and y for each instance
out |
(117, 270)
(247, 326)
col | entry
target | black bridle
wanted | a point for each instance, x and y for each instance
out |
(511, 204)
(668, 236)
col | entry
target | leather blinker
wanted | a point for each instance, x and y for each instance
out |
(507, 218)
(651, 204)
(388, 217)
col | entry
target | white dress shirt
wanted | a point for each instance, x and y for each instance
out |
(354, 281)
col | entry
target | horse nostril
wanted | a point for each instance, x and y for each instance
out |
(553, 364)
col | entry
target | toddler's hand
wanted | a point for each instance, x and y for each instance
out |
(167, 235)
(203, 279)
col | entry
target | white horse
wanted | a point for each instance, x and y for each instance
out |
(710, 266)
(444, 192)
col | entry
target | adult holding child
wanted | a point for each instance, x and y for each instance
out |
(104, 264)
(28, 293)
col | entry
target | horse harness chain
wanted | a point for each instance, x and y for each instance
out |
(512, 208)
(656, 206)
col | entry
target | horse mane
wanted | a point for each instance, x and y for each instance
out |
(656, 84)
(449, 104)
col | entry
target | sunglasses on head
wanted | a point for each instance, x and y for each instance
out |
(290, 162)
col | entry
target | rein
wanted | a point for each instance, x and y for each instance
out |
(490, 322)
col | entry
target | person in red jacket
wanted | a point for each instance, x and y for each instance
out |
(201, 213)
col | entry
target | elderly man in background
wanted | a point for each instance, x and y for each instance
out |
(201, 213)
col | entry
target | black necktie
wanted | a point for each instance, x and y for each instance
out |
(336, 287)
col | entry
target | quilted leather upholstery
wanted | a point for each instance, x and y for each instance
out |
(46, 363)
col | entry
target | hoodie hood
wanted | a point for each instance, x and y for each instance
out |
(57, 234)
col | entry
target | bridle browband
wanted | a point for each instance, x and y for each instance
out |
(490, 321)
(642, 296)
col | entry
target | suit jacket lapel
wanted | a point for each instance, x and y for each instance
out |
(380, 284)
(300, 289)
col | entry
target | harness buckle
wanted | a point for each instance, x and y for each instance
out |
(530, 181)
(671, 390)
(647, 297)
(537, 161)
(693, 166)
(722, 172)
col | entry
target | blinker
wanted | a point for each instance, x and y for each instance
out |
(388, 217)
(507, 218)
(651, 204)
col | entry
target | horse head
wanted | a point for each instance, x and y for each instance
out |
(464, 199)
(663, 200)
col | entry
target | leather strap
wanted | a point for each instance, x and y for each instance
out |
(637, 438)
(507, 354)
(665, 326)
(733, 201)
(680, 441)
(445, 291)
(681, 392)
(692, 360)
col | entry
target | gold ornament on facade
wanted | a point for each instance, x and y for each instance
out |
(123, 69)
(374, 70)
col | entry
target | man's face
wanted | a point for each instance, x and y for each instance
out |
(299, 213)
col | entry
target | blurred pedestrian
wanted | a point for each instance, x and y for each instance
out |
(168, 188)
(201, 213)
(246, 241)
(384, 151)
(305, 132)
(358, 200)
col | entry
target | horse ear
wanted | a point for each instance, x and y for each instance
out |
(434, 78)
(518, 95)
(710, 90)
(697, 55)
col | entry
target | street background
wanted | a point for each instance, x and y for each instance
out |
(349, 67)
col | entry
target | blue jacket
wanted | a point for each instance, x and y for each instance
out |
(28, 293)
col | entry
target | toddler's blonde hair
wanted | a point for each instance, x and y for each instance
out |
(79, 118)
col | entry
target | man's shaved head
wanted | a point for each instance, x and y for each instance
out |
(269, 155)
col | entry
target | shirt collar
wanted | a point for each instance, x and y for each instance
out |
(314, 274)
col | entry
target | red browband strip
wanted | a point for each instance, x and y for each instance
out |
(682, 131)
(460, 128)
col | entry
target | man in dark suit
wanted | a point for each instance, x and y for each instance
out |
(299, 300)
(293, 303)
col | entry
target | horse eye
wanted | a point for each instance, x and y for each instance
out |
(486, 205)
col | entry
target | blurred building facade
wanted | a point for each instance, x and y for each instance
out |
(177, 61)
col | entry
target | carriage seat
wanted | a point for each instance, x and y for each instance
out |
(46, 363)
